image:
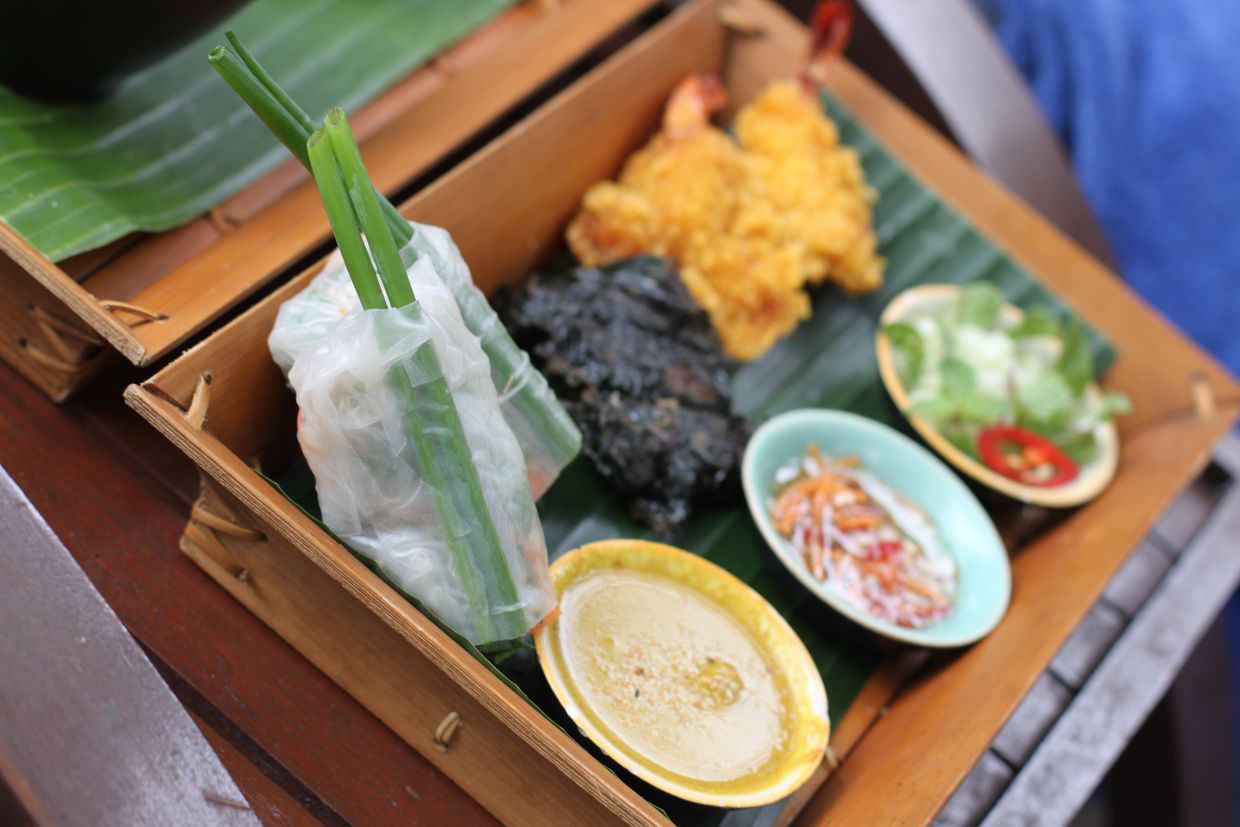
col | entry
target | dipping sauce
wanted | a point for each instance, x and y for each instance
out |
(672, 675)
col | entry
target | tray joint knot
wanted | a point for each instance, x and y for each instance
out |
(1204, 403)
(221, 220)
(446, 731)
(56, 350)
(144, 316)
(223, 525)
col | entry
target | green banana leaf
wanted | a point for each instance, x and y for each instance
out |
(175, 141)
(827, 362)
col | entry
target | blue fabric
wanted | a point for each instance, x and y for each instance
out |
(1146, 96)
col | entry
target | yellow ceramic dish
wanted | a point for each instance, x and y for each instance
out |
(682, 674)
(1091, 479)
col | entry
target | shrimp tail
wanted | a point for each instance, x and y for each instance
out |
(693, 101)
(831, 28)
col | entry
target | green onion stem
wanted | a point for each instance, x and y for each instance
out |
(366, 204)
(292, 126)
(269, 83)
(291, 133)
(344, 223)
(441, 451)
(282, 115)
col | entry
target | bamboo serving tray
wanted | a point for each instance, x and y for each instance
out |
(145, 294)
(224, 403)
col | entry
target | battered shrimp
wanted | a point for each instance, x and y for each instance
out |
(750, 222)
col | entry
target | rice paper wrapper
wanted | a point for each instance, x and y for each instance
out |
(548, 445)
(353, 432)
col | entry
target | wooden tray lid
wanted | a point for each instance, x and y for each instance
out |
(145, 294)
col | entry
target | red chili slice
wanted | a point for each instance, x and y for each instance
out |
(1029, 462)
(882, 550)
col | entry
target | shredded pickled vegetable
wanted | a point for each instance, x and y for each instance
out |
(863, 540)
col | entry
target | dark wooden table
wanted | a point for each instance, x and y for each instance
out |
(117, 494)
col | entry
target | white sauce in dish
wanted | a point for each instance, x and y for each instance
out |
(672, 674)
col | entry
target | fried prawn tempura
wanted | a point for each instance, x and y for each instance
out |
(750, 222)
(815, 185)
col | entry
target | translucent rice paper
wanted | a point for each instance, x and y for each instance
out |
(548, 443)
(353, 431)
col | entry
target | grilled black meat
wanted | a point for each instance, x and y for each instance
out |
(640, 370)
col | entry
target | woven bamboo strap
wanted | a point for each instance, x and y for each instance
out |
(56, 349)
(201, 514)
(1203, 403)
(142, 313)
(221, 220)
(446, 731)
(68, 349)
(42, 357)
(57, 330)
(196, 414)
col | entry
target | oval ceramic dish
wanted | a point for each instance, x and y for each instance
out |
(984, 583)
(1090, 480)
(802, 711)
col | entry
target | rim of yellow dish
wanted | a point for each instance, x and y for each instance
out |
(1091, 479)
(806, 698)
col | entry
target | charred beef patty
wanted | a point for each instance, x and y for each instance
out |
(642, 373)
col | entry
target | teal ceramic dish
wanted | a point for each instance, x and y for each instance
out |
(984, 584)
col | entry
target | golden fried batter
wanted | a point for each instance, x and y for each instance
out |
(814, 185)
(750, 222)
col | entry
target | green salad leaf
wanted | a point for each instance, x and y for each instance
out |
(1042, 387)
(1037, 322)
(961, 410)
(984, 410)
(937, 409)
(959, 380)
(1080, 448)
(908, 351)
(961, 434)
(979, 304)
(1075, 365)
(1045, 403)
(972, 409)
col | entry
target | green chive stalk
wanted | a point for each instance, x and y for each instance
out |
(439, 448)
(290, 123)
